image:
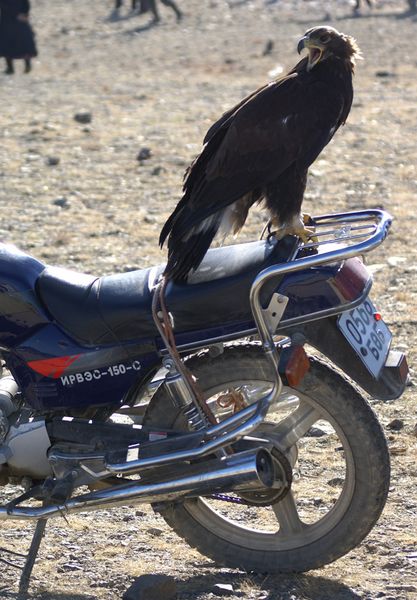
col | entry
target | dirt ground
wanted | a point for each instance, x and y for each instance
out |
(99, 210)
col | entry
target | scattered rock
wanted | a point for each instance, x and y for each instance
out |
(315, 432)
(396, 425)
(222, 589)
(375, 267)
(62, 202)
(128, 518)
(152, 587)
(384, 74)
(144, 154)
(269, 46)
(415, 430)
(394, 261)
(154, 531)
(71, 566)
(149, 219)
(157, 171)
(52, 161)
(83, 116)
(336, 481)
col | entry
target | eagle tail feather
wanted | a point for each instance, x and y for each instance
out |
(186, 255)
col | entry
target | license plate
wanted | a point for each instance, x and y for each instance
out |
(368, 335)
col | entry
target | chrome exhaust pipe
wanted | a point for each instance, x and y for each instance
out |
(242, 471)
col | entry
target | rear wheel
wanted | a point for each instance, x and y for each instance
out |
(337, 451)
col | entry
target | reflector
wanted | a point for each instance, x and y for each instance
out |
(293, 365)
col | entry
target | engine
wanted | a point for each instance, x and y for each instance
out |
(24, 442)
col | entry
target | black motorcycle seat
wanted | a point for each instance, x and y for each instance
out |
(117, 308)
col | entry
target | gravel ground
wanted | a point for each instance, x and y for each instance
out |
(76, 195)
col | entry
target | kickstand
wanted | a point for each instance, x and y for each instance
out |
(31, 556)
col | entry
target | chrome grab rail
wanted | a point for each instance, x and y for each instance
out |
(245, 421)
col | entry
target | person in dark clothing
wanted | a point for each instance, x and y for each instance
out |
(153, 8)
(17, 40)
(150, 5)
(120, 2)
(358, 3)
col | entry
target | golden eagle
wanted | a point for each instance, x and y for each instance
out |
(261, 149)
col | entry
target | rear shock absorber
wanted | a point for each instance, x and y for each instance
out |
(182, 397)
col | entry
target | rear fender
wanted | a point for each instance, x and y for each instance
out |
(323, 291)
(325, 336)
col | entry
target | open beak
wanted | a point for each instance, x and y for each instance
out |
(315, 52)
(301, 44)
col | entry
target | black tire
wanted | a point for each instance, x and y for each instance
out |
(297, 546)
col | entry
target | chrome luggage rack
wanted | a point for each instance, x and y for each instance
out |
(365, 225)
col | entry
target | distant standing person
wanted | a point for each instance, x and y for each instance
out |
(151, 5)
(358, 3)
(120, 2)
(17, 40)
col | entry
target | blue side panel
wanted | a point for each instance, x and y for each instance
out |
(309, 292)
(56, 373)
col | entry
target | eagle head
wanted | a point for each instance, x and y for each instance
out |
(323, 42)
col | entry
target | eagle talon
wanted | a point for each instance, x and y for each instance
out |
(307, 219)
(306, 234)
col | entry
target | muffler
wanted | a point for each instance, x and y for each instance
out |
(245, 471)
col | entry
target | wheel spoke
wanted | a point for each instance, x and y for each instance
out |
(296, 425)
(287, 515)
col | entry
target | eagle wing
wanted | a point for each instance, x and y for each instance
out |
(287, 121)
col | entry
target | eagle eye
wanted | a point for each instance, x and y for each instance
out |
(325, 38)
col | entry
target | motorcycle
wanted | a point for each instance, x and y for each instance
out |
(281, 465)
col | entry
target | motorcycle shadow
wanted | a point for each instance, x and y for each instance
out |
(269, 587)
